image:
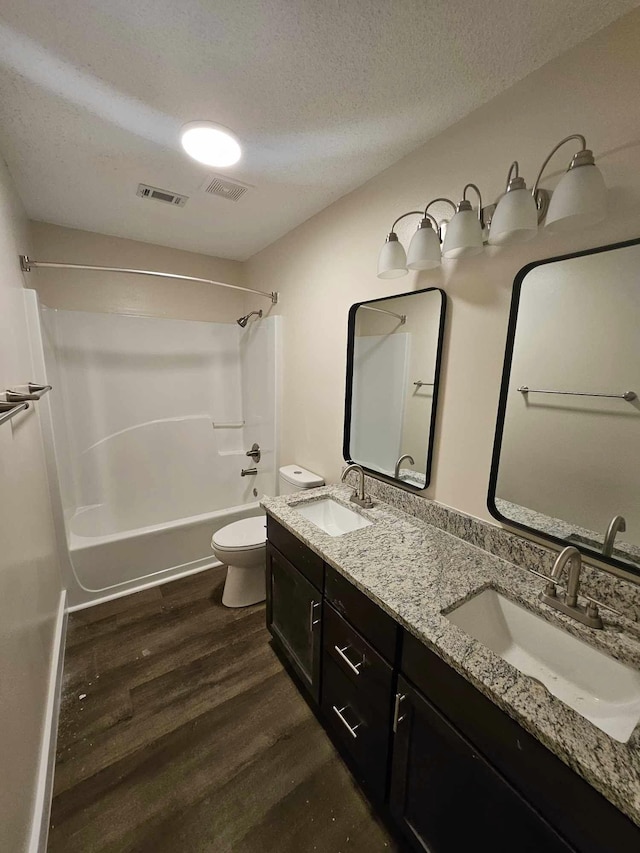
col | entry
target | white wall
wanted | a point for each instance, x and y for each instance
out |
(329, 262)
(29, 576)
(577, 458)
(128, 294)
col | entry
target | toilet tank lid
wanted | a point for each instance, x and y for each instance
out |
(300, 477)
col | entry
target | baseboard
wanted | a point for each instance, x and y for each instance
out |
(44, 789)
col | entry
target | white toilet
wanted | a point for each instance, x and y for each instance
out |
(242, 545)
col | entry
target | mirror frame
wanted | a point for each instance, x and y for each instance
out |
(620, 566)
(436, 387)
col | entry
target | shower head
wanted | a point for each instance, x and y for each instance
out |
(244, 320)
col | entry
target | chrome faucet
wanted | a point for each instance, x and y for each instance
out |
(358, 495)
(396, 472)
(567, 602)
(617, 523)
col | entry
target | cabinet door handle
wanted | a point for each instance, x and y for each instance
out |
(312, 610)
(355, 667)
(351, 729)
(400, 697)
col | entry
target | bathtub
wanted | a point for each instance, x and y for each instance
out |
(107, 565)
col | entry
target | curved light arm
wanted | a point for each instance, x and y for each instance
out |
(408, 213)
(477, 191)
(579, 136)
(514, 167)
(433, 201)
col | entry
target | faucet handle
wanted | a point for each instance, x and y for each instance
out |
(597, 603)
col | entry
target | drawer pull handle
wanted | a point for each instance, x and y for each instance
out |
(355, 667)
(312, 613)
(400, 697)
(351, 729)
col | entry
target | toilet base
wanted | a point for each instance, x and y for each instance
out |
(244, 586)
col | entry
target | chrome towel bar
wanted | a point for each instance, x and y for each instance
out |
(419, 383)
(627, 395)
(8, 410)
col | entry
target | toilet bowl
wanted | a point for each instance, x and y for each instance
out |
(241, 546)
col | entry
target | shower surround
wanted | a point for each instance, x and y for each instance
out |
(150, 422)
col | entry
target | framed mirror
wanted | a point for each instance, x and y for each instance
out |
(393, 367)
(566, 461)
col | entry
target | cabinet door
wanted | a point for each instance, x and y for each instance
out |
(447, 798)
(294, 617)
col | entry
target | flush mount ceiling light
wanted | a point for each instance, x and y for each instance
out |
(578, 201)
(210, 143)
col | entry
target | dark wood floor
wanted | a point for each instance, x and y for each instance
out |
(180, 731)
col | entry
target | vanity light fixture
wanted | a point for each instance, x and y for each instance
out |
(392, 260)
(464, 233)
(210, 143)
(515, 219)
(580, 198)
(424, 250)
(578, 201)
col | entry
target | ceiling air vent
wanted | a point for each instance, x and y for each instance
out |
(166, 196)
(224, 188)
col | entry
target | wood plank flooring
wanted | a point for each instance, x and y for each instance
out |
(180, 731)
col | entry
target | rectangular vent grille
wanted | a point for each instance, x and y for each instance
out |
(224, 188)
(165, 196)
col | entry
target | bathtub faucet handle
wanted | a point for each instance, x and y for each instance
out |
(254, 453)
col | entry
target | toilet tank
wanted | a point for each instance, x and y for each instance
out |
(294, 478)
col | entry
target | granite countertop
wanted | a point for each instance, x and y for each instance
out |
(415, 571)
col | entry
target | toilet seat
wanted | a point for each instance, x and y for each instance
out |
(245, 535)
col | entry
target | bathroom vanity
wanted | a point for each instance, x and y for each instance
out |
(453, 745)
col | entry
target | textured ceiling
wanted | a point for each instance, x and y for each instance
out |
(324, 94)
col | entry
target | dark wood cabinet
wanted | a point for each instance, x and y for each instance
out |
(447, 798)
(294, 618)
(455, 771)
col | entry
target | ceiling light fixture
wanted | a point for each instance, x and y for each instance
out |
(578, 201)
(210, 143)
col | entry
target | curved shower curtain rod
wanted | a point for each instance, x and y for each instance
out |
(27, 264)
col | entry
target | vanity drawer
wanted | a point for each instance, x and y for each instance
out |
(577, 811)
(357, 726)
(357, 659)
(374, 624)
(304, 559)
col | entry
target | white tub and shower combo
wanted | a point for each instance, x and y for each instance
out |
(149, 423)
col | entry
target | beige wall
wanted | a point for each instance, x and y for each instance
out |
(92, 291)
(29, 575)
(329, 262)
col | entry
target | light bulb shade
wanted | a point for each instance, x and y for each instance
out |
(392, 260)
(424, 250)
(464, 236)
(515, 219)
(579, 200)
(210, 143)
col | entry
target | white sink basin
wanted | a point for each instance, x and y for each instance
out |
(332, 517)
(598, 687)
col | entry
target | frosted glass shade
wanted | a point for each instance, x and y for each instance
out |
(579, 200)
(464, 236)
(392, 260)
(515, 219)
(424, 250)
